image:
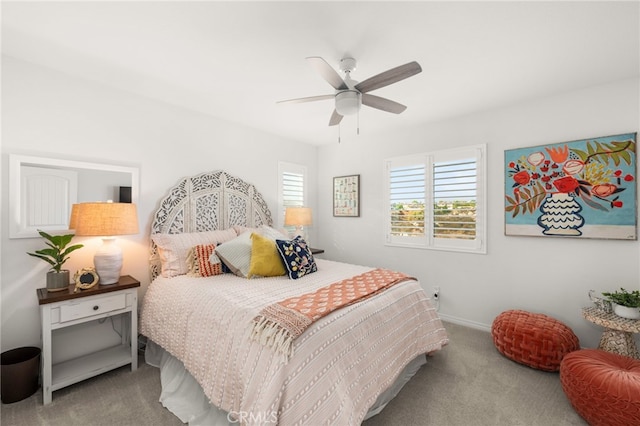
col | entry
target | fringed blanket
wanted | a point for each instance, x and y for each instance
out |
(279, 324)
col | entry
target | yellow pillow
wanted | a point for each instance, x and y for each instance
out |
(265, 259)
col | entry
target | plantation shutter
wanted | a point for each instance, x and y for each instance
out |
(436, 200)
(291, 188)
(406, 190)
(455, 194)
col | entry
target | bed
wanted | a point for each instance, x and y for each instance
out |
(200, 324)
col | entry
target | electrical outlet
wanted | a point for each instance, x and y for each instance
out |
(436, 292)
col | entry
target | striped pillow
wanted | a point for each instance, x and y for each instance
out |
(236, 254)
(202, 261)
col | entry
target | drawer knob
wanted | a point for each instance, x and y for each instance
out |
(95, 308)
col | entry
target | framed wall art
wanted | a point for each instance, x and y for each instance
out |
(346, 196)
(584, 188)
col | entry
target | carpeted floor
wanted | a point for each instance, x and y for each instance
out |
(470, 383)
(467, 383)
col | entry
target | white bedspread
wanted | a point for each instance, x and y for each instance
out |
(339, 365)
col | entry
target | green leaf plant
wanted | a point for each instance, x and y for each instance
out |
(630, 299)
(58, 250)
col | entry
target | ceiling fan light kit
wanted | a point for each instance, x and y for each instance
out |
(350, 95)
(348, 102)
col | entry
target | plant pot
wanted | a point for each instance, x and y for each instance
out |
(626, 312)
(58, 281)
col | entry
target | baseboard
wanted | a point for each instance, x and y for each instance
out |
(465, 322)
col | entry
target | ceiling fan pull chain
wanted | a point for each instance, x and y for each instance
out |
(358, 124)
(339, 126)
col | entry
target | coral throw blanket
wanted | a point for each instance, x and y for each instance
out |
(279, 324)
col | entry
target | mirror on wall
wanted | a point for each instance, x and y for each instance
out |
(42, 191)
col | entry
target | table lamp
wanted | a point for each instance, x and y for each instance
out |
(298, 217)
(106, 220)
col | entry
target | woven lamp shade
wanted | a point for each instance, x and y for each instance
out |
(104, 219)
(298, 216)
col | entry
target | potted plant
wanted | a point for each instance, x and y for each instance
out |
(626, 304)
(56, 255)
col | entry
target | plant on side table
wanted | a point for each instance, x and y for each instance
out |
(56, 255)
(626, 304)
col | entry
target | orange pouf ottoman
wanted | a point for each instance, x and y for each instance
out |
(535, 340)
(603, 387)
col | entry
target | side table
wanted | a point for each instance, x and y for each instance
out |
(617, 336)
(65, 309)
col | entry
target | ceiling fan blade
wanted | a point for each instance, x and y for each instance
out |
(335, 118)
(327, 72)
(389, 77)
(307, 99)
(382, 103)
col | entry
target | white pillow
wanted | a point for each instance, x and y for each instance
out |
(240, 229)
(173, 248)
(273, 233)
(236, 254)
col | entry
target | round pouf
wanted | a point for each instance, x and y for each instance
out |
(603, 387)
(535, 340)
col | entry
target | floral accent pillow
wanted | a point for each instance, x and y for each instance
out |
(297, 257)
(202, 261)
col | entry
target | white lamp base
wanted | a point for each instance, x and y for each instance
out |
(108, 261)
(300, 231)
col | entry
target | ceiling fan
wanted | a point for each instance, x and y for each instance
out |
(350, 94)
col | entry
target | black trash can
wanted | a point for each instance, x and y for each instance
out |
(20, 373)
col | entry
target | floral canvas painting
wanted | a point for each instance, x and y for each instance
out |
(584, 188)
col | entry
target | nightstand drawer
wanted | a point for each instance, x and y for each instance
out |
(87, 308)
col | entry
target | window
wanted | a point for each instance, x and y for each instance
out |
(291, 188)
(407, 182)
(437, 200)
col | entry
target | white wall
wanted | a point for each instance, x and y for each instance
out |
(545, 275)
(46, 113)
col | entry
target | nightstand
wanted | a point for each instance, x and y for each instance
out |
(65, 309)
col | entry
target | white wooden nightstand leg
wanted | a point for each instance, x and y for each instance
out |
(46, 355)
(134, 333)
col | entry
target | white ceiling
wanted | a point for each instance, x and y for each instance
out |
(234, 60)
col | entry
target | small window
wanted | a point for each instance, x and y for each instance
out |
(436, 200)
(291, 188)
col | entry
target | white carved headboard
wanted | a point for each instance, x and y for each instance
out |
(206, 202)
